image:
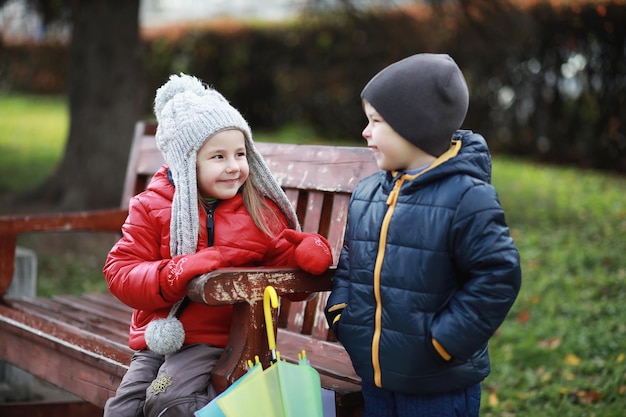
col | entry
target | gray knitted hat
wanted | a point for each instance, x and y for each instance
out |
(423, 97)
(188, 114)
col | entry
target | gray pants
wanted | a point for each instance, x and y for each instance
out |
(165, 386)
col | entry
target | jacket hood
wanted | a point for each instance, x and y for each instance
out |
(474, 158)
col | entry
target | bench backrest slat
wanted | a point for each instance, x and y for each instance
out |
(317, 179)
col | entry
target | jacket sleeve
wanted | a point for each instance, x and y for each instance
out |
(488, 261)
(338, 298)
(133, 264)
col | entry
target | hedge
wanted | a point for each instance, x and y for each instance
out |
(546, 81)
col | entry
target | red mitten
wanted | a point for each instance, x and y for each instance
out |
(312, 252)
(177, 273)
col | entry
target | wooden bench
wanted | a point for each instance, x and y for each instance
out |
(79, 343)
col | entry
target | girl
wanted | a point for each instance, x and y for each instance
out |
(214, 204)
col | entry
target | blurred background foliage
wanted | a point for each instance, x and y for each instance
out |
(547, 79)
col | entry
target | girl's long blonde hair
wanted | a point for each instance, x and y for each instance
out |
(263, 215)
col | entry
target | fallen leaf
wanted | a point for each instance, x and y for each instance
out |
(586, 396)
(572, 359)
(523, 317)
(568, 375)
(493, 399)
(552, 343)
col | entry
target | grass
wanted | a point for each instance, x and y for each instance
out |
(561, 352)
(33, 131)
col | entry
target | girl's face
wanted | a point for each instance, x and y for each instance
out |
(392, 151)
(221, 165)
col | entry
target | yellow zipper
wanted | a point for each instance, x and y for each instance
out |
(378, 317)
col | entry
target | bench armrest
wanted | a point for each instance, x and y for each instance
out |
(11, 226)
(243, 289)
(246, 285)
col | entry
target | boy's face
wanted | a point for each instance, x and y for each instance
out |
(392, 151)
(222, 165)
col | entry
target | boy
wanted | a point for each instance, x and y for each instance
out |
(428, 270)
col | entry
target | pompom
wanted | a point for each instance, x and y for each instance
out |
(177, 84)
(165, 336)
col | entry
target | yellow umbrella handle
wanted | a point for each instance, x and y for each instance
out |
(270, 297)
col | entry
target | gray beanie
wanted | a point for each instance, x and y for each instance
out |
(188, 114)
(423, 97)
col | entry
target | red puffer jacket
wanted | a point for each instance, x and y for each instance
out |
(134, 263)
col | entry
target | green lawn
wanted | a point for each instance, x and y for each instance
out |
(33, 131)
(561, 351)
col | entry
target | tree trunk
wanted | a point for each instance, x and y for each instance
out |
(105, 100)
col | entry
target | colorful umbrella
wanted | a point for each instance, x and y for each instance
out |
(282, 390)
(212, 409)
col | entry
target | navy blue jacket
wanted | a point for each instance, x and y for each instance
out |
(427, 273)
